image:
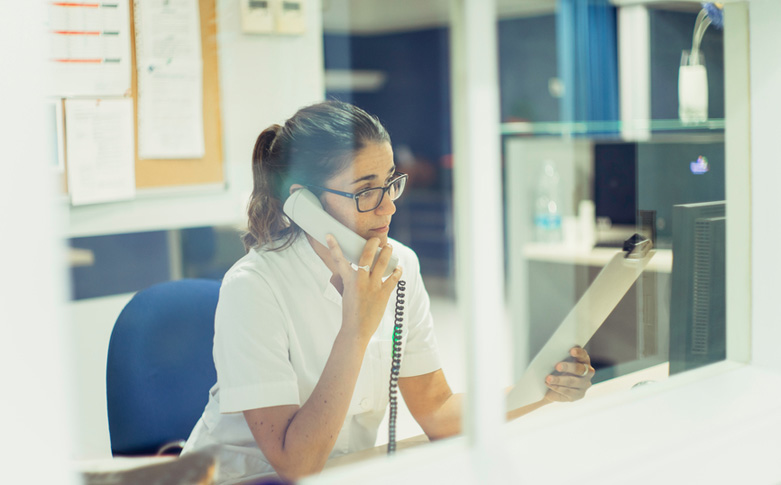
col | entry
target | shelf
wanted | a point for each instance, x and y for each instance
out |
(158, 210)
(562, 253)
(611, 128)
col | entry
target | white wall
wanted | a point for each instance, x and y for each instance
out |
(90, 323)
(263, 80)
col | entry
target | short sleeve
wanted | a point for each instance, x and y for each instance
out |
(420, 351)
(251, 346)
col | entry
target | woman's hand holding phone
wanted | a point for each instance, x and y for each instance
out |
(365, 295)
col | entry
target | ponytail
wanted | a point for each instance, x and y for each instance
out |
(266, 219)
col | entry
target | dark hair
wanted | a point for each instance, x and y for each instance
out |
(315, 144)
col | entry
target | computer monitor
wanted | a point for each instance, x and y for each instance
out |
(615, 182)
(698, 289)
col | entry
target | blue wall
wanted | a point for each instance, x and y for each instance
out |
(414, 104)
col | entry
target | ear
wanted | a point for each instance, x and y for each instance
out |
(295, 187)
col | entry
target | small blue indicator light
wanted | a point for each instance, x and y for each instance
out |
(700, 166)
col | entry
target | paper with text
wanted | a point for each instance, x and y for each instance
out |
(89, 48)
(99, 150)
(170, 79)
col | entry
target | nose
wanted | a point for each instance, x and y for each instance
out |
(386, 207)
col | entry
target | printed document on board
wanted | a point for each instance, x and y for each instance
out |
(99, 150)
(170, 79)
(89, 48)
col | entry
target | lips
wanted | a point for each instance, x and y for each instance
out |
(381, 229)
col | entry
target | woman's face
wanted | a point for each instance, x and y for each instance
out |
(372, 167)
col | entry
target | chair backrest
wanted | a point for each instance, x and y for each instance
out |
(160, 365)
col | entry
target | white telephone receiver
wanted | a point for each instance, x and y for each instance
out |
(305, 209)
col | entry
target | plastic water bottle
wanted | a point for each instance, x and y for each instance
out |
(547, 209)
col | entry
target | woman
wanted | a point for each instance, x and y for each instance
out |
(302, 340)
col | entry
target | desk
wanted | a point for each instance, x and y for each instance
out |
(375, 452)
(119, 469)
(192, 468)
(626, 382)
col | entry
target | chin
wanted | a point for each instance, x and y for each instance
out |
(382, 237)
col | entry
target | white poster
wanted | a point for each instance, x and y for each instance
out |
(89, 48)
(170, 79)
(170, 111)
(99, 150)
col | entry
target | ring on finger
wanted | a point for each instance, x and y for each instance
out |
(585, 372)
(365, 267)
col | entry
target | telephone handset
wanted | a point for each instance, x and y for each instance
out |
(305, 209)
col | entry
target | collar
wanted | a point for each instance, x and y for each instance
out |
(317, 268)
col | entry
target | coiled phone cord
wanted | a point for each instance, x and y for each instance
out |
(395, 366)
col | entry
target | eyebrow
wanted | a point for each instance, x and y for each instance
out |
(372, 177)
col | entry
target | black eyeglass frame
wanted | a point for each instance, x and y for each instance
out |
(396, 177)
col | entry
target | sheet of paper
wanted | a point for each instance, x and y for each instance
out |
(170, 111)
(99, 150)
(89, 48)
(167, 29)
(585, 318)
(170, 79)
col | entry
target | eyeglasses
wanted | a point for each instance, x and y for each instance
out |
(369, 199)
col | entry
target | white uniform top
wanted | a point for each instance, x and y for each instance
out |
(277, 318)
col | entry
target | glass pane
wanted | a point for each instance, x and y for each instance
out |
(586, 165)
(392, 59)
(584, 173)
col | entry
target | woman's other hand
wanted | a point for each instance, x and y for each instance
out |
(365, 295)
(571, 379)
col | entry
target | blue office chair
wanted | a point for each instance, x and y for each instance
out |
(160, 366)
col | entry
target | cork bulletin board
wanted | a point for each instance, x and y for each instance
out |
(208, 170)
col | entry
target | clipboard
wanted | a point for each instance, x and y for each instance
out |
(585, 318)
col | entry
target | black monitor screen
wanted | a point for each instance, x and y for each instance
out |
(615, 178)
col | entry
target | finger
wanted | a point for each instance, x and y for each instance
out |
(336, 254)
(382, 262)
(580, 354)
(573, 389)
(578, 369)
(369, 250)
(389, 284)
(566, 394)
(569, 382)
